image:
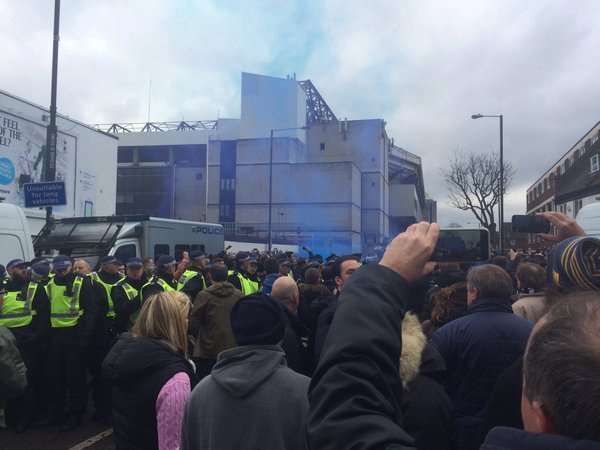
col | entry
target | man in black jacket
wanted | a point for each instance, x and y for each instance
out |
(285, 291)
(343, 267)
(355, 393)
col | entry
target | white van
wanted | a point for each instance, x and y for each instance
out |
(15, 237)
(126, 237)
(588, 218)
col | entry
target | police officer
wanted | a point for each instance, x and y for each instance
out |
(126, 294)
(244, 277)
(285, 267)
(26, 312)
(73, 318)
(193, 281)
(106, 278)
(163, 278)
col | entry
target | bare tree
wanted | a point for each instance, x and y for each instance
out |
(473, 185)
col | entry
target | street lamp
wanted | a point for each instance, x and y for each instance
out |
(500, 181)
(270, 230)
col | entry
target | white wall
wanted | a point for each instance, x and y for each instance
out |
(272, 103)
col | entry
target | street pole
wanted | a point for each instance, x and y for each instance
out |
(270, 231)
(51, 134)
(501, 202)
(500, 181)
(206, 179)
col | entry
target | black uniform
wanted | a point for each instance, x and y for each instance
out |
(195, 284)
(68, 345)
(155, 285)
(124, 306)
(105, 336)
(30, 339)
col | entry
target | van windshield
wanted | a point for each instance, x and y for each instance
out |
(75, 238)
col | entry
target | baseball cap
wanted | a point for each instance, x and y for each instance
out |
(166, 261)
(135, 263)
(109, 259)
(61, 262)
(197, 255)
(16, 263)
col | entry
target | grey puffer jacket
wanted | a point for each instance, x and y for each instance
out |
(13, 374)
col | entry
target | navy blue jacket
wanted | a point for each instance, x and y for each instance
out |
(477, 348)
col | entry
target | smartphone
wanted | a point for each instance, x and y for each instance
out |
(462, 245)
(530, 224)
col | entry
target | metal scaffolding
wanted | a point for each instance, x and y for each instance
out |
(317, 111)
(155, 127)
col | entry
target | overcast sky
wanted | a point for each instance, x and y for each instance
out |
(423, 66)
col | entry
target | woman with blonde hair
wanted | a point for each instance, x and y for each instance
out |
(150, 375)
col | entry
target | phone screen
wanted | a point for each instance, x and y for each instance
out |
(530, 224)
(462, 245)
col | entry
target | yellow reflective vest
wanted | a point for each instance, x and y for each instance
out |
(131, 293)
(15, 312)
(248, 286)
(108, 288)
(64, 309)
(187, 276)
(166, 287)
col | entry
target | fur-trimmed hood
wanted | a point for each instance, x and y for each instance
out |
(413, 343)
(417, 356)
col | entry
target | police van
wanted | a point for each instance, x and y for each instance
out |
(124, 237)
(15, 237)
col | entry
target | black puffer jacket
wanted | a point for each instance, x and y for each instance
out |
(137, 369)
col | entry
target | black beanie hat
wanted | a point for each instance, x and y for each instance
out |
(258, 319)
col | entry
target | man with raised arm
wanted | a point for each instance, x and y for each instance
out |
(355, 393)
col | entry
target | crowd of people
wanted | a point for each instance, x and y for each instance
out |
(264, 350)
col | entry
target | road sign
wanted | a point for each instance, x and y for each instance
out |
(51, 193)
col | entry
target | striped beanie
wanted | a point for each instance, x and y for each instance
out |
(575, 263)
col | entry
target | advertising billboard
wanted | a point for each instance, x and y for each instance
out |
(22, 145)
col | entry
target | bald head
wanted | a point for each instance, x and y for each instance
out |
(286, 292)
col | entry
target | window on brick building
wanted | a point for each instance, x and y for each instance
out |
(594, 166)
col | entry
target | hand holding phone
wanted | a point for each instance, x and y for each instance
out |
(565, 226)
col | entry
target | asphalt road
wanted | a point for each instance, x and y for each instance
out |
(90, 436)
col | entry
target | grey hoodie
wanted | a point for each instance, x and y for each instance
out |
(251, 400)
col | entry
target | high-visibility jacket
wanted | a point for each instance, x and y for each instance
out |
(187, 276)
(108, 288)
(166, 287)
(16, 312)
(131, 293)
(64, 309)
(248, 286)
